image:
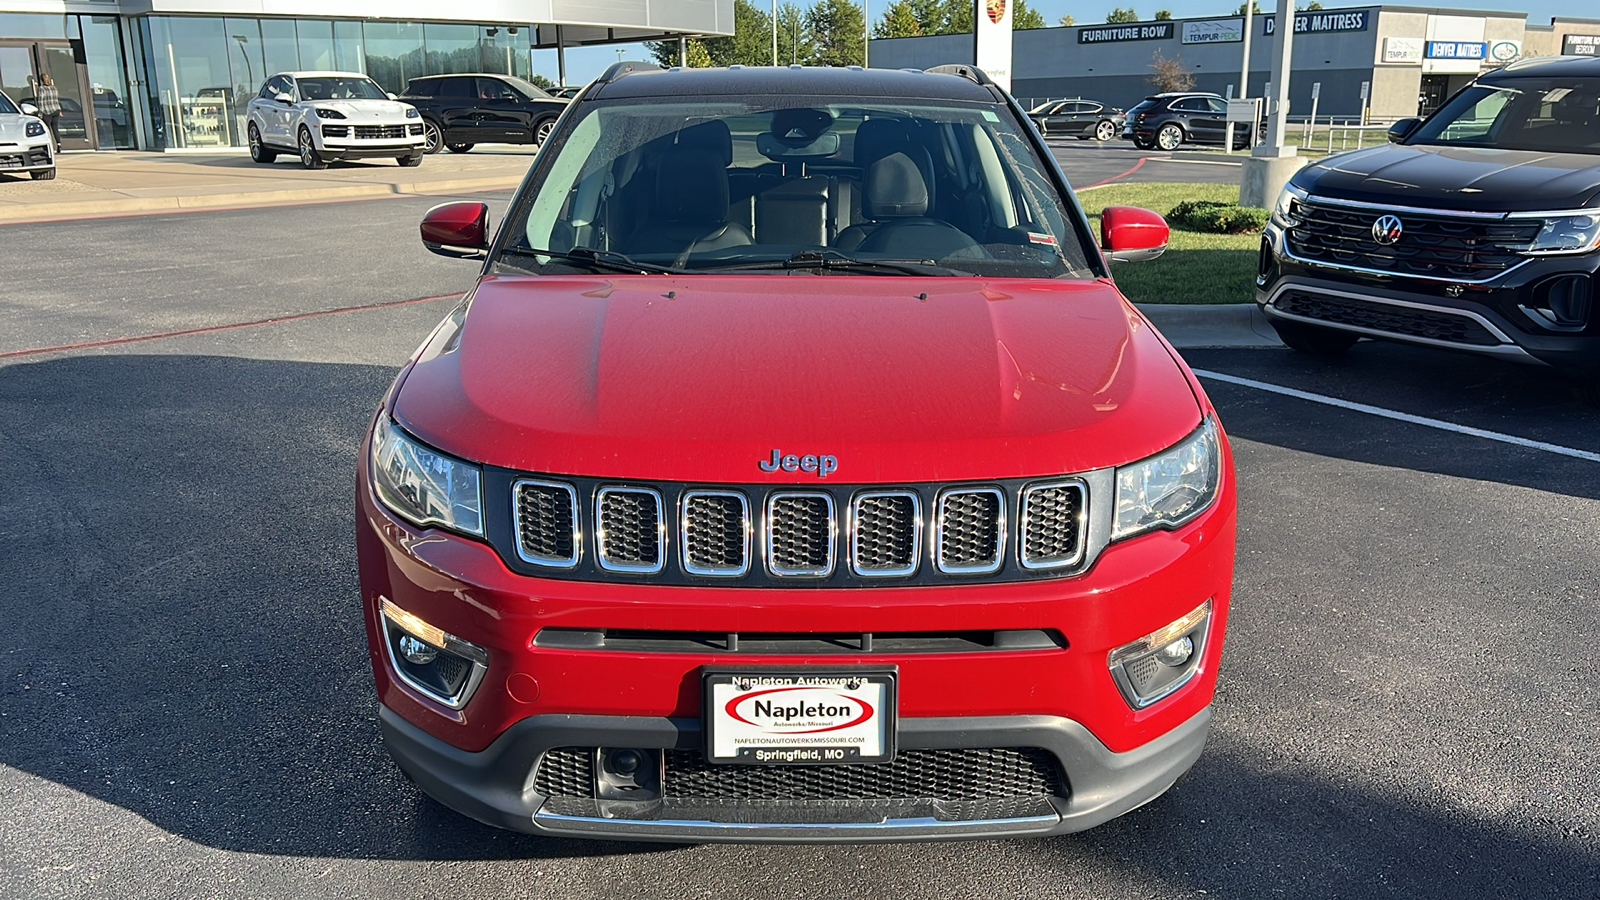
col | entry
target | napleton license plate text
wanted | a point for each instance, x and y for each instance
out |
(799, 718)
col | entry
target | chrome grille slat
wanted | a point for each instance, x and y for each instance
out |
(885, 533)
(1052, 524)
(1470, 249)
(970, 531)
(630, 533)
(547, 523)
(715, 533)
(800, 534)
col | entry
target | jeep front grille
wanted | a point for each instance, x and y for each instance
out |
(834, 536)
(1442, 246)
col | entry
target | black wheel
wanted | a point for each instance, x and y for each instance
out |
(259, 151)
(432, 137)
(1170, 137)
(44, 174)
(1105, 130)
(414, 159)
(1313, 339)
(309, 157)
(1143, 144)
(542, 131)
(459, 148)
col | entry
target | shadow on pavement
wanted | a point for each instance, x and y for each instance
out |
(183, 641)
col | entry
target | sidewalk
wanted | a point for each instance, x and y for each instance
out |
(97, 184)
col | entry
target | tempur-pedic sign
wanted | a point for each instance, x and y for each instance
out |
(1214, 31)
(1320, 22)
(1149, 31)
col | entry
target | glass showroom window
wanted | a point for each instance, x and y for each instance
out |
(316, 44)
(102, 48)
(280, 45)
(349, 54)
(188, 59)
(248, 64)
(452, 48)
(394, 53)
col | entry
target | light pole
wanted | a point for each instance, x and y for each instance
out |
(866, 31)
(774, 32)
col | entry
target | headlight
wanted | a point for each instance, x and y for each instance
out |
(1171, 487)
(423, 486)
(1567, 234)
(1284, 212)
(35, 129)
(329, 113)
(411, 113)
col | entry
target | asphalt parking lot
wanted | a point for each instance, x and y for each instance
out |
(1406, 707)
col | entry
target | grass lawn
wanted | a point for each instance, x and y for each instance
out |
(1197, 268)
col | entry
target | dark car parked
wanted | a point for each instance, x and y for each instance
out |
(1168, 121)
(461, 111)
(1476, 230)
(1079, 118)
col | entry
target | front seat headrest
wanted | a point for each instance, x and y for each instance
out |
(896, 188)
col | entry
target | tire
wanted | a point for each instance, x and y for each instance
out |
(459, 148)
(1105, 130)
(1169, 137)
(414, 159)
(1314, 340)
(309, 157)
(1144, 144)
(432, 137)
(43, 174)
(543, 130)
(259, 152)
(1044, 130)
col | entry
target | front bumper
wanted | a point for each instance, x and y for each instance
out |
(496, 785)
(33, 156)
(1488, 319)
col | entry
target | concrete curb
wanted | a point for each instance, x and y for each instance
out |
(1228, 325)
(34, 212)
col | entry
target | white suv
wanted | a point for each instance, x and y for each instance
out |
(323, 116)
(25, 142)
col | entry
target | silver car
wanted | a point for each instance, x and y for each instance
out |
(25, 144)
(323, 116)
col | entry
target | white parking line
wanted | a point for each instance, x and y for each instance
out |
(1400, 416)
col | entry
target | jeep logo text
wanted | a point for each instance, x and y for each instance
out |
(823, 465)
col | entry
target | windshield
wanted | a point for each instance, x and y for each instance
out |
(325, 87)
(782, 184)
(1559, 115)
(6, 106)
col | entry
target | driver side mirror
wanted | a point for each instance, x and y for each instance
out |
(1399, 131)
(28, 109)
(459, 230)
(285, 99)
(390, 95)
(1131, 234)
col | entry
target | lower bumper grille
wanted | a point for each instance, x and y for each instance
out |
(389, 132)
(1398, 320)
(978, 774)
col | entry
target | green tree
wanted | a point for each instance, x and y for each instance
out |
(1163, 15)
(899, 20)
(1313, 6)
(795, 45)
(1255, 9)
(698, 56)
(838, 28)
(1120, 15)
(539, 81)
(751, 44)
(1026, 17)
(1066, 21)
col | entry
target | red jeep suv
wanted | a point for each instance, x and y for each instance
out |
(795, 472)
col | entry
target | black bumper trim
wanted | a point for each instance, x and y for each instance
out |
(495, 785)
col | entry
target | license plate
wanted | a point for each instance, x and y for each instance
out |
(799, 716)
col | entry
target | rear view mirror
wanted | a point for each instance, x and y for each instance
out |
(775, 148)
(1399, 131)
(459, 230)
(1131, 234)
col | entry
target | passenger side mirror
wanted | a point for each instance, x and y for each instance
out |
(459, 230)
(28, 109)
(1399, 131)
(390, 95)
(1131, 234)
(284, 99)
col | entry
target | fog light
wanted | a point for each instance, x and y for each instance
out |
(1159, 663)
(628, 774)
(429, 659)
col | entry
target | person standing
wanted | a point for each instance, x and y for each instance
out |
(48, 98)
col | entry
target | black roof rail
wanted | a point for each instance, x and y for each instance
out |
(971, 73)
(626, 67)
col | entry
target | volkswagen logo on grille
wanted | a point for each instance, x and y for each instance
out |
(1387, 230)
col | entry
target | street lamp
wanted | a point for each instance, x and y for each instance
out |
(249, 76)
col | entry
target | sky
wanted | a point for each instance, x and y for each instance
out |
(585, 63)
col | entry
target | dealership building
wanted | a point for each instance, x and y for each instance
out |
(1392, 61)
(176, 74)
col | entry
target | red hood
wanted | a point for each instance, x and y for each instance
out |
(700, 378)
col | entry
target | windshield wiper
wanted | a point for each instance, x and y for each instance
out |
(833, 259)
(609, 260)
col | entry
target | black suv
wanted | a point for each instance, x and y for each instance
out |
(1169, 121)
(1476, 229)
(460, 111)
